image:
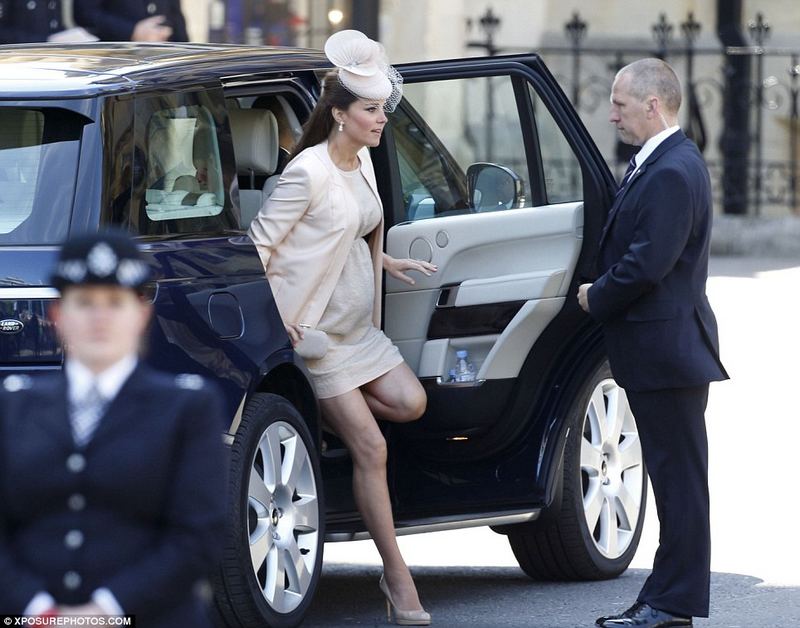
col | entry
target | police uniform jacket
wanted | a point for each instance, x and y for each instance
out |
(139, 510)
(24, 21)
(114, 20)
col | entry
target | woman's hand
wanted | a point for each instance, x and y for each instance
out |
(396, 267)
(295, 333)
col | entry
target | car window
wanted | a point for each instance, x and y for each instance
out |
(444, 127)
(562, 170)
(184, 177)
(39, 151)
(176, 179)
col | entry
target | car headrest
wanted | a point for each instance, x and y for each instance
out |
(255, 140)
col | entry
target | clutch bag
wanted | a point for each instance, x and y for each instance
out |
(314, 344)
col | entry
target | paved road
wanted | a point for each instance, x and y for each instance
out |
(469, 578)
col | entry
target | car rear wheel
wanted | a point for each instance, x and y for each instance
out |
(596, 531)
(273, 554)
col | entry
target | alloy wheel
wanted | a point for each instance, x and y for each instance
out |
(612, 469)
(283, 517)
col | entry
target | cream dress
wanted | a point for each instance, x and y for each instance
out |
(358, 352)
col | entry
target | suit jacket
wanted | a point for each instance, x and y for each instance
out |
(22, 21)
(114, 20)
(304, 232)
(659, 328)
(139, 510)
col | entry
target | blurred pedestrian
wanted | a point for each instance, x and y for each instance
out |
(28, 21)
(112, 489)
(132, 20)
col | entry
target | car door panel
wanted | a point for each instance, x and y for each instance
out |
(523, 258)
(527, 286)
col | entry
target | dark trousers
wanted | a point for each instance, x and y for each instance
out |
(672, 429)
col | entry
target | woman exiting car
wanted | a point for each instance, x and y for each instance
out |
(320, 237)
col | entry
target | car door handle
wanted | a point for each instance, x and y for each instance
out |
(447, 296)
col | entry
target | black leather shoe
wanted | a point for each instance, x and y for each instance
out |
(641, 614)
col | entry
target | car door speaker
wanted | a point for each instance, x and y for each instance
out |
(421, 250)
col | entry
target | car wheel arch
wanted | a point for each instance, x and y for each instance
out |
(577, 362)
(559, 422)
(289, 381)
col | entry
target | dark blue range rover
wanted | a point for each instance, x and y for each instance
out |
(484, 169)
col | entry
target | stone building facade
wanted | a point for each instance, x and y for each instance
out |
(617, 32)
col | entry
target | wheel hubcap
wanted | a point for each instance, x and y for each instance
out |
(612, 472)
(283, 517)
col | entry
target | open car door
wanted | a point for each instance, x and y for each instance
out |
(488, 173)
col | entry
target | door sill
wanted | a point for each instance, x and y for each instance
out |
(439, 524)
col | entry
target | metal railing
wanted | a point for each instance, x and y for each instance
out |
(740, 103)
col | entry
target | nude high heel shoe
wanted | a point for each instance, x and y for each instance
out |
(403, 618)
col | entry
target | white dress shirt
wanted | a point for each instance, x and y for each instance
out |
(649, 146)
(79, 381)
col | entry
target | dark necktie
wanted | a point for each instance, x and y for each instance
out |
(628, 173)
(86, 415)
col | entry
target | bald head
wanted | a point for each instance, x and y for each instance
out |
(653, 77)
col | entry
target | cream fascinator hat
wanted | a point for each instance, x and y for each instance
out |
(364, 70)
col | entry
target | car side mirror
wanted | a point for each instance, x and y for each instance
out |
(494, 188)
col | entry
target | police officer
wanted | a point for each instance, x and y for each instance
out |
(132, 20)
(112, 485)
(23, 21)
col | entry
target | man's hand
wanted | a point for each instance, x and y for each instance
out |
(151, 29)
(583, 296)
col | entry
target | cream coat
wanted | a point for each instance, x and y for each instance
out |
(304, 232)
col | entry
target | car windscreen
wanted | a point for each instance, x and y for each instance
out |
(39, 150)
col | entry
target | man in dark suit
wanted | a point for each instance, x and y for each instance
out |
(112, 487)
(132, 20)
(660, 332)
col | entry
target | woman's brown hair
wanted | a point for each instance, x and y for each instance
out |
(320, 123)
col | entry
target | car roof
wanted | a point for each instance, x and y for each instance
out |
(61, 70)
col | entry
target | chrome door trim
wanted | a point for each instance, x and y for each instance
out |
(439, 524)
(23, 294)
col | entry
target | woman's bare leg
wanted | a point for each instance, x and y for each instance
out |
(351, 419)
(396, 396)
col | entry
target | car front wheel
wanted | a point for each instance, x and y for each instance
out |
(273, 554)
(595, 533)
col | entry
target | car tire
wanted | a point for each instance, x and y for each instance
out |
(272, 556)
(594, 533)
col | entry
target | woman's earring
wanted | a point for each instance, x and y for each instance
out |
(341, 127)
